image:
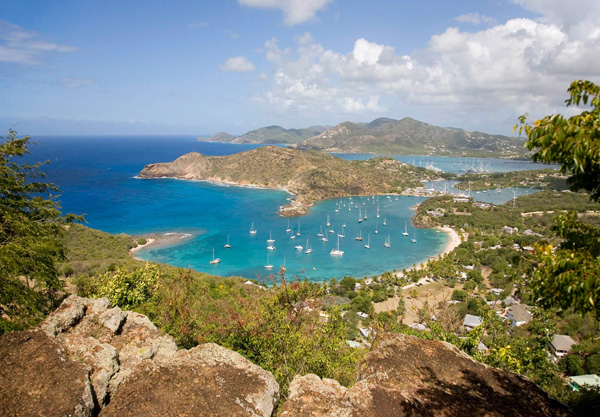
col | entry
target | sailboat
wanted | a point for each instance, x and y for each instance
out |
(328, 222)
(360, 219)
(368, 245)
(405, 233)
(298, 232)
(293, 236)
(270, 239)
(271, 247)
(299, 247)
(376, 231)
(215, 260)
(342, 233)
(387, 243)
(308, 248)
(252, 229)
(337, 252)
(282, 268)
(365, 218)
(320, 234)
(359, 236)
(385, 221)
(227, 245)
(414, 239)
(268, 265)
(324, 238)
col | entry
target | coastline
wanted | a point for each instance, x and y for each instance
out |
(157, 240)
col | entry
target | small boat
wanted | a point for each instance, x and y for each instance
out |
(298, 232)
(337, 252)
(405, 233)
(293, 236)
(360, 219)
(288, 228)
(414, 239)
(282, 268)
(387, 243)
(271, 247)
(328, 222)
(365, 218)
(227, 245)
(252, 229)
(331, 231)
(308, 248)
(268, 265)
(270, 239)
(299, 247)
(320, 234)
(215, 260)
(368, 245)
(376, 231)
(385, 221)
(359, 236)
(324, 239)
(342, 233)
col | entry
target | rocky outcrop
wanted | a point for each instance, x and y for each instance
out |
(37, 378)
(87, 356)
(207, 380)
(407, 376)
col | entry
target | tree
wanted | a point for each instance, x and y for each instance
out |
(31, 244)
(570, 276)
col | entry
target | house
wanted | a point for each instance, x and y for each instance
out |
(496, 291)
(471, 321)
(461, 200)
(530, 232)
(561, 345)
(518, 315)
(509, 301)
(353, 344)
(528, 249)
(481, 347)
(482, 205)
(365, 332)
(579, 381)
(362, 315)
(510, 230)
(418, 326)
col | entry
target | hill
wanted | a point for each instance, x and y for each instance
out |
(410, 136)
(311, 175)
(268, 135)
(218, 137)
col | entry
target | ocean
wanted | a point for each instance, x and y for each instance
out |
(97, 177)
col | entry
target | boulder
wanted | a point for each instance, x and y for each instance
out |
(407, 376)
(37, 378)
(207, 380)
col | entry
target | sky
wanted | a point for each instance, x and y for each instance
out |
(197, 67)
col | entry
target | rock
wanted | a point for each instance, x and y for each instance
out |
(404, 375)
(70, 312)
(113, 319)
(37, 377)
(206, 380)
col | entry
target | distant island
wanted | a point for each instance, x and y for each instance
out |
(386, 136)
(310, 175)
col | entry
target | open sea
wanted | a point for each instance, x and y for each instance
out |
(97, 177)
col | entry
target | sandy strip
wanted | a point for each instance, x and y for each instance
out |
(157, 240)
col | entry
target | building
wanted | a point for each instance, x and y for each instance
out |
(510, 230)
(576, 382)
(471, 321)
(561, 345)
(362, 315)
(518, 315)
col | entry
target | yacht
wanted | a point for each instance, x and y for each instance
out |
(368, 245)
(337, 252)
(215, 260)
(387, 243)
(405, 233)
(227, 245)
(252, 229)
(268, 265)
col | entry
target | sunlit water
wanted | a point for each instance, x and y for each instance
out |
(97, 177)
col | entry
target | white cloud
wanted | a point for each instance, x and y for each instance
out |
(238, 64)
(488, 76)
(74, 82)
(295, 11)
(475, 18)
(21, 46)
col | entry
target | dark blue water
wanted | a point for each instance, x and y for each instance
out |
(97, 177)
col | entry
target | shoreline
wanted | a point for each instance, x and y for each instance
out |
(157, 240)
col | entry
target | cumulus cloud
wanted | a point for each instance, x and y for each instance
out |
(521, 65)
(21, 46)
(475, 18)
(238, 64)
(294, 11)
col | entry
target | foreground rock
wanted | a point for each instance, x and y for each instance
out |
(37, 378)
(407, 376)
(86, 356)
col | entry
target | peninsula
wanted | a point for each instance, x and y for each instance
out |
(310, 175)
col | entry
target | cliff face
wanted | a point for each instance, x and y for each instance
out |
(88, 359)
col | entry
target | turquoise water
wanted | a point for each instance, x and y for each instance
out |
(97, 177)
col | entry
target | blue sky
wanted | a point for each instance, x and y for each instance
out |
(200, 67)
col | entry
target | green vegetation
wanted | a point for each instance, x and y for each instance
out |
(31, 227)
(412, 137)
(570, 276)
(311, 175)
(547, 178)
